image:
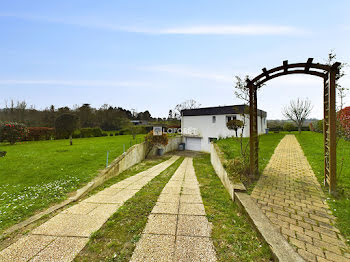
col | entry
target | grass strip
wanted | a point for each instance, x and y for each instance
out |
(234, 238)
(312, 145)
(117, 238)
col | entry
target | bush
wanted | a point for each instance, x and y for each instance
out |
(86, 132)
(344, 121)
(111, 134)
(77, 133)
(155, 141)
(318, 126)
(96, 132)
(39, 133)
(116, 134)
(104, 134)
(12, 132)
(289, 127)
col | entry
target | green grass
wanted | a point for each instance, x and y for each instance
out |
(34, 175)
(233, 237)
(116, 240)
(312, 145)
(231, 149)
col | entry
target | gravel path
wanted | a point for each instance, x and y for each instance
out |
(291, 197)
(177, 229)
(62, 237)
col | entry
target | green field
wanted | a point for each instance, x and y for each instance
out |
(34, 175)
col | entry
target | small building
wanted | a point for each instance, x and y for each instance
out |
(200, 126)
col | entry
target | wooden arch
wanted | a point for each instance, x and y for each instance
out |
(328, 73)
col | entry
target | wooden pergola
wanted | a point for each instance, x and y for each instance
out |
(328, 73)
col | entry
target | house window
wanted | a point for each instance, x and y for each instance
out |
(214, 119)
(229, 118)
(210, 139)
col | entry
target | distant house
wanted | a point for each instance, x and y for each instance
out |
(139, 122)
(202, 125)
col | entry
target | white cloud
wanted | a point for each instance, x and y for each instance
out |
(77, 83)
(245, 29)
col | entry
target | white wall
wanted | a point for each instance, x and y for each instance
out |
(206, 128)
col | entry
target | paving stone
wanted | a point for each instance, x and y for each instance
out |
(81, 208)
(105, 210)
(154, 248)
(62, 249)
(196, 199)
(110, 191)
(193, 226)
(161, 224)
(194, 249)
(190, 191)
(70, 225)
(25, 248)
(168, 198)
(166, 208)
(191, 209)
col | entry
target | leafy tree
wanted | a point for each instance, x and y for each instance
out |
(297, 111)
(235, 125)
(66, 124)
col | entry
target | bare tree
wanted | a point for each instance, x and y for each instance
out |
(188, 104)
(297, 111)
(341, 90)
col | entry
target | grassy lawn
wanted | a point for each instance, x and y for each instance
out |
(34, 175)
(116, 240)
(312, 144)
(233, 237)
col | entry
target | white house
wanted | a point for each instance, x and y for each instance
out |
(202, 125)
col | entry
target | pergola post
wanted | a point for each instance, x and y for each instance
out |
(332, 140)
(253, 121)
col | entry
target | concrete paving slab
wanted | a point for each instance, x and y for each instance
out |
(62, 249)
(101, 199)
(81, 208)
(171, 190)
(191, 209)
(194, 249)
(190, 191)
(110, 191)
(193, 226)
(154, 248)
(105, 210)
(70, 225)
(161, 224)
(122, 184)
(168, 198)
(165, 208)
(194, 199)
(25, 248)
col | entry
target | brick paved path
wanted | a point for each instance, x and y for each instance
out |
(62, 237)
(177, 229)
(291, 197)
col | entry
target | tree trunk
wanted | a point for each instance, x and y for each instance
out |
(299, 129)
(70, 140)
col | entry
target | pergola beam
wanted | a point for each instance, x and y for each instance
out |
(308, 64)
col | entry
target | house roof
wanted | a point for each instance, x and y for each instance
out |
(219, 110)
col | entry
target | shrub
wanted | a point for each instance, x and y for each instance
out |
(344, 121)
(12, 132)
(319, 126)
(77, 133)
(96, 132)
(40, 133)
(288, 127)
(111, 134)
(311, 127)
(235, 125)
(86, 132)
(116, 134)
(155, 141)
(104, 134)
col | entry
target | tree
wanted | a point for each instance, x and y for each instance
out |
(341, 91)
(235, 125)
(298, 111)
(188, 104)
(288, 127)
(66, 124)
(12, 132)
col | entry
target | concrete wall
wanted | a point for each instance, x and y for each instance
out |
(205, 128)
(132, 156)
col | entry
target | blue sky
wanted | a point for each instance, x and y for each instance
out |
(155, 54)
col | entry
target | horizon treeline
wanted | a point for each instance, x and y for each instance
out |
(107, 117)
